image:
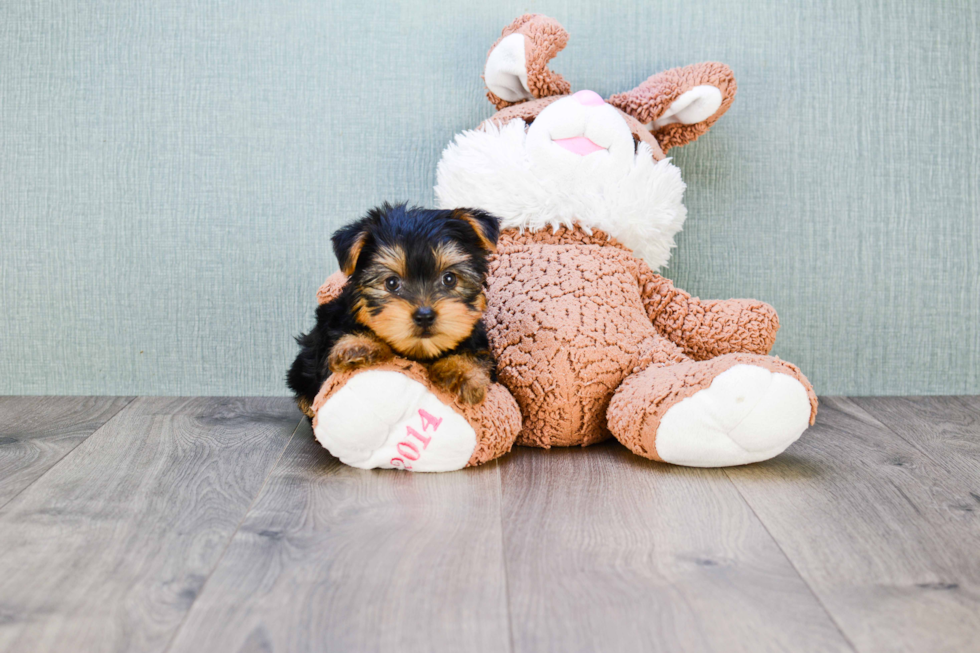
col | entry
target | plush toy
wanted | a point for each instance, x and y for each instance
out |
(589, 340)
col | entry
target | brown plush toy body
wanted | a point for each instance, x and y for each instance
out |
(589, 340)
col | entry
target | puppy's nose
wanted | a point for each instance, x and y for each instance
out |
(589, 98)
(424, 317)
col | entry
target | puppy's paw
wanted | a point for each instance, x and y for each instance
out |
(355, 351)
(466, 377)
(305, 406)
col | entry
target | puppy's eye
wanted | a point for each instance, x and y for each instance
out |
(449, 280)
(392, 284)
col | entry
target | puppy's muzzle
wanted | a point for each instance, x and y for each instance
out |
(424, 317)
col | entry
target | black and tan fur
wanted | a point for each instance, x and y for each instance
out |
(416, 290)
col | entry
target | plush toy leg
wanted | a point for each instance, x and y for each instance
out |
(730, 410)
(390, 416)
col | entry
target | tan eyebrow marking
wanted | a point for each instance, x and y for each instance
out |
(448, 255)
(393, 258)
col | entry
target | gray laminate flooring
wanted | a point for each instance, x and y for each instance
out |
(219, 524)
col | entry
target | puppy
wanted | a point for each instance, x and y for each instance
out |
(415, 289)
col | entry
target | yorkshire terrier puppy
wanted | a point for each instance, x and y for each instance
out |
(414, 289)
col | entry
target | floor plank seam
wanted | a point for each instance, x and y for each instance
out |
(898, 435)
(503, 556)
(231, 538)
(963, 401)
(68, 453)
(792, 564)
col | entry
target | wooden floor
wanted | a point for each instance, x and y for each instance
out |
(205, 525)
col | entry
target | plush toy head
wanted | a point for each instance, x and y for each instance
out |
(550, 158)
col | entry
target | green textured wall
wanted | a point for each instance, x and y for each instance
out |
(170, 174)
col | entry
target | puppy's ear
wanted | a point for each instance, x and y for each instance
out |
(486, 226)
(348, 242)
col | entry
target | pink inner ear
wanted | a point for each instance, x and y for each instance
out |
(578, 145)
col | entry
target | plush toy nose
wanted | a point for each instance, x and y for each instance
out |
(589, 98)
(424, 317)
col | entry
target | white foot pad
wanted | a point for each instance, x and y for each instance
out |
(386, 420)
(747, 414)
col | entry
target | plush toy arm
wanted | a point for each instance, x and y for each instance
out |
(706, 329)
(516, 68)
(331, 287)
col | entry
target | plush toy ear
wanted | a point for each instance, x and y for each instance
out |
(679, 105)
(348, 241)
(486, 226)
(516, 69)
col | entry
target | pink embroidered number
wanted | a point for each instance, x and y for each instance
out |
(424, 439)
(408, 449)
(428, 420)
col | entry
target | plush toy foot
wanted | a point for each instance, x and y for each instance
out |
(391, 417)
(385, 419)
(731, 410)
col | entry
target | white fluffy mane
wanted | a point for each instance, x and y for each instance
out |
(489, 169)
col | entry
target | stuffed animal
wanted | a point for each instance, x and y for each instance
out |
(589, 340)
